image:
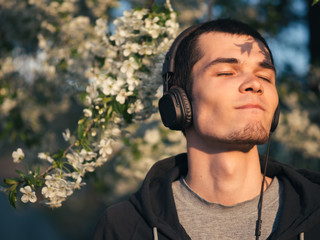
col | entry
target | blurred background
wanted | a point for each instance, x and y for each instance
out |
(42, 81)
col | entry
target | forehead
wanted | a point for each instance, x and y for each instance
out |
(230, 45)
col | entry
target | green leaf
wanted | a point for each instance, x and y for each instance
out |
(30, 180)
(315, 2)
(109, 112)
(100, 60)
(13, 198)
(58, 155)
(116, 107)
(85, 143)
(63, 65)
(106, 99)
(81, 130)
(74, 53)
(13, 187)
(37, 172)
(10, 181)
(21, 174)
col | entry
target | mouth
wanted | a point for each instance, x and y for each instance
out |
(251, 106)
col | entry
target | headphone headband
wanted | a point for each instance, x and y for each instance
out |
(168, 65)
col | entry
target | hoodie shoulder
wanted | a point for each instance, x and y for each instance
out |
(121, 221)
(276, 168)
(312, 176)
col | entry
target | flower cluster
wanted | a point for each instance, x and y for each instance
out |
(45, 62)
(132, 59)
(122, 88)
(57, 189)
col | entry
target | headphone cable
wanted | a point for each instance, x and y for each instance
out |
(259, 221)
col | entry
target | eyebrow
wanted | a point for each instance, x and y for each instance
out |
(263, 64)
(267, 65)
(221, 60)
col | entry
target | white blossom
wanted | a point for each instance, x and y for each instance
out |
(28, 194)
(87, 113)
(129, 48)
(87, 101)
(109, 87)
(140, 13)
(46, 157)
(92, 90)
(100, 161)
(88, 156)
(78, 183)
(17, 155)
(75, 160)
(136, 24)
(172, 27)
(101, 27)
(152, 27)
(48, 192)
(118, 37)
(133, 83)
(122, 96)
(105, 147)
(113, 132)
(129, 66)
(66, 135)
(146, 50)
(87, 167)
(136, 107)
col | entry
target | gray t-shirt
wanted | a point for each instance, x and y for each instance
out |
(207, 220)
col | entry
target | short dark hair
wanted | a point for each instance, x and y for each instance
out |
(188, 52)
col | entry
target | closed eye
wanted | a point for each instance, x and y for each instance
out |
(264, 78)
(225, 74)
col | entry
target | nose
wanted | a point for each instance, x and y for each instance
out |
(251, 85)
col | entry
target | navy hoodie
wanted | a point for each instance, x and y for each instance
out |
(150, 213)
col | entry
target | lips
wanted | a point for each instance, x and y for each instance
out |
(251, 106)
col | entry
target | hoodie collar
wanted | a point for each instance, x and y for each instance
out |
(155, 201)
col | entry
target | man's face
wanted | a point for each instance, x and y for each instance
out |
(233, 95)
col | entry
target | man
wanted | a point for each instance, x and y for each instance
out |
(220, 91)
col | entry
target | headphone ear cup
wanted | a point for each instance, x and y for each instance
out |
(175, 109)
(186, 107)
(275, 119)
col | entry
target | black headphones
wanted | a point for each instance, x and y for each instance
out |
(174, 106)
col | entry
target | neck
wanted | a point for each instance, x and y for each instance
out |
(222, 173)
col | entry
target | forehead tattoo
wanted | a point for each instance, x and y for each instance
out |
(247, 48)
(248, 45)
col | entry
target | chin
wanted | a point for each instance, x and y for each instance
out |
(252, 134)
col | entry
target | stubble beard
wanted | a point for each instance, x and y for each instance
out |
(251, 134)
